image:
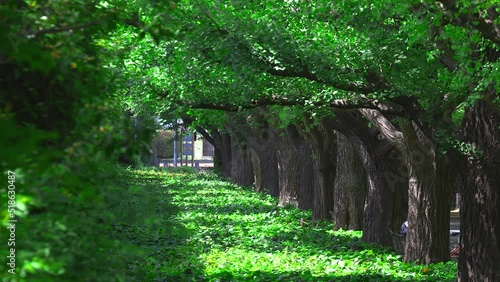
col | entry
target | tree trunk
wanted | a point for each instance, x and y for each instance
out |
(257, 171)
(266, 169)
(396, 176)
(270, 166)
(379, 203)
(429, 205)
(262, 143)
(241, 165)
(288, 169)
(480, 207)
(372, 149)
(429, 185)
(322, 141)
(241, 160)
(308, 181)
(350, 187)
(323, 145)
(269, 163)
(222, 150)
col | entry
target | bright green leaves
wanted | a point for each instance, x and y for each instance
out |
(459, 40)
(470, 51)
(138, 75)
(458, 114)
(61, 130)
(229, 53)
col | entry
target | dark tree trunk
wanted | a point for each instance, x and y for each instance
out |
(241, 166)
(288, 169)
(429, 184)
(323, 145)
(429, 205)
(227, 155)
(480, 207)
(262, 143)
(372, 149)
(218, 159)
(396, 175)
(379, 202)
(350, 187)
(326, 167)
(323, 199)
(266, 169)
(308, 181)
(270, 168)
(241, 160)
(222, 153)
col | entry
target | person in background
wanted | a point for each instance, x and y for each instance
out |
(404, 228)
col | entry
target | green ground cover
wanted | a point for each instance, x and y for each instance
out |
(197, 227)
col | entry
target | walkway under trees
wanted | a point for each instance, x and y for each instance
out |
(365, 112)
(201, 228)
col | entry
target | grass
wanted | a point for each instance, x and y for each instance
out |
(200, 228)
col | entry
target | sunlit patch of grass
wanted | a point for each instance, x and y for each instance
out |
(240, 261)
(217, 231)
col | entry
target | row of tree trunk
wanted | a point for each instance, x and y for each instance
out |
(350, 174)
(372, 178)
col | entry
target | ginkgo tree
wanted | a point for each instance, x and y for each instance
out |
(411, 86)
(411, 69)
(275, 56)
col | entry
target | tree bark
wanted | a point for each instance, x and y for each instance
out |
(261, 142)
(372, 149)
(257, 171)
(241, 165)
(379, 203)
(323, 144)
(429, 183)
(270, 167)
(396, 175)
(308, 181)
(288, 169)
(350, 187)
(429, 205)
(241, 160)
(222, 152)
(480, 206)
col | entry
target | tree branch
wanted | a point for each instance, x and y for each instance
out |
(374, 81)
(348, 86)
(189, 121)
(485, 21)
(219, 28)
(416, 113)
(386, 128)
(383, 107)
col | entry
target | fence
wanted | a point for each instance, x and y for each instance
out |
(198, 164)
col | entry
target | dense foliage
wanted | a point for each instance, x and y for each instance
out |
(61, 135)
(163, 144)
(309, 54)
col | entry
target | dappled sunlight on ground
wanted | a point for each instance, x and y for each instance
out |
(217, 231)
